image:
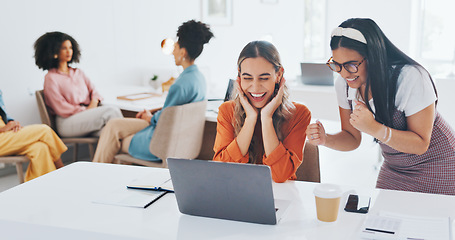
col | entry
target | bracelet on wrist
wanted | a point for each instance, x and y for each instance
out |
(389, 135)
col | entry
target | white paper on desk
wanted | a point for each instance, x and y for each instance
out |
(139, 96)
(407, 227)
(129, 197)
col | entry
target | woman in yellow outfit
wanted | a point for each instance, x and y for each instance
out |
(38, 142)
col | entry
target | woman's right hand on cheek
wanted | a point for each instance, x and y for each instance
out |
(315, 133)
(250, 111)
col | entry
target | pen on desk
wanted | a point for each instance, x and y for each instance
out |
(143, 187)
(149, 188)
(379, 230)
(156, 199)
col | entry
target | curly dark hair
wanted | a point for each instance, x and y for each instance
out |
(192, 35)
(48, 45)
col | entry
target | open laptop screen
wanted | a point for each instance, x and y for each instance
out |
(316, 74)
(232, 191)
(229, 90)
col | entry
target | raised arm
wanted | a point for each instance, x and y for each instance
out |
(347, 139)
(414, 140)
(287, 156)
(226, 146)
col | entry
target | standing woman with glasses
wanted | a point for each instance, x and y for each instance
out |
(386, 94)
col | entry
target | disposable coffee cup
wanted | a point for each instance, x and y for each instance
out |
(327, 197)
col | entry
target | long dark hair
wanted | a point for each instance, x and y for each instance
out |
(384, 64)
(282, 113)
(49, 45)
(192, 36)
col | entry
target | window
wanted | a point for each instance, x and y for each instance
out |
(437, 46)
(315, 40)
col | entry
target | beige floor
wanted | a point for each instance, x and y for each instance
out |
(8, 182)
(355, 168)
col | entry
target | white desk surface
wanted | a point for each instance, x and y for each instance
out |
(110, 94)
(321, 100)
(59, 205)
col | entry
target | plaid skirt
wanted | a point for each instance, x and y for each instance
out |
(431, 172)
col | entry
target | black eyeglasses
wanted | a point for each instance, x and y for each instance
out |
(350, 67)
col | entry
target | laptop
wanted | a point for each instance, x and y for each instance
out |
(231, 191)
(213, 104)
(229, 90)
(316, 74)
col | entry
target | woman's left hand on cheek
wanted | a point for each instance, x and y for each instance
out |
(361, 118)
(270, 108)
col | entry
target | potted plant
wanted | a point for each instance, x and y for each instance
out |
(153, 81)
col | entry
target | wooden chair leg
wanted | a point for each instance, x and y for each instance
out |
(75, 152)
(20, 172)
(91, 150)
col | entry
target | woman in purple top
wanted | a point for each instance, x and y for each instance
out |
(68, 92)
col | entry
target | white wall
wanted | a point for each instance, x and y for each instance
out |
(445, 87)
(120, 41)
(392, 16)
(120, 38)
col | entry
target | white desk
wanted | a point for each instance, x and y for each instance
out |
(110, 94)
(59, 206)
(321, 100)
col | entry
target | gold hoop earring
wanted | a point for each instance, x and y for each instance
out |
(55, 56)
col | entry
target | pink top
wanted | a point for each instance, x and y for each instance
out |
(66, 94)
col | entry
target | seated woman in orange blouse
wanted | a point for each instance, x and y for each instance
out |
(261, 125)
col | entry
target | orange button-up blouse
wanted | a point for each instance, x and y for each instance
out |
(283, 161)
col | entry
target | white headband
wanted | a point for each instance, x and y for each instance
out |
(349, 33)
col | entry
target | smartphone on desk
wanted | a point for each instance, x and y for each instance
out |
(357, 204)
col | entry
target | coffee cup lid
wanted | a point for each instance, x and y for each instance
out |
(326, 190)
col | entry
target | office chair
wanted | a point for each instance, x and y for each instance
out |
(48, 119)
(309, 169)
(178, 134)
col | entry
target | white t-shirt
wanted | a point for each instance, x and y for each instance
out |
(415, 91)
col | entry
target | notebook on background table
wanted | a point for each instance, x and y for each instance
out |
(232, 191)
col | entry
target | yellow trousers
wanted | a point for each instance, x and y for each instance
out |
(38, 142)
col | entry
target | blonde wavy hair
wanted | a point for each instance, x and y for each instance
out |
(267, 51)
